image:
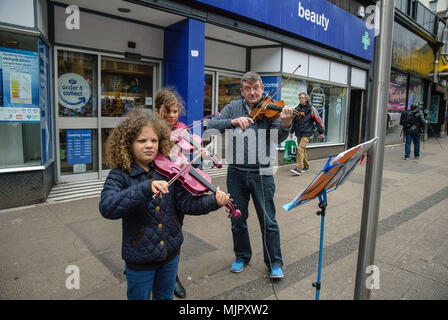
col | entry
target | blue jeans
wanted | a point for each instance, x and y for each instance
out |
(242, 185)
(407, 149)
(160, 281)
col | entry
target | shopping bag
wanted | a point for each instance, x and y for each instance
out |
(290, 153)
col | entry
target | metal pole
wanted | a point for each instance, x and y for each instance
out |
(377, 128)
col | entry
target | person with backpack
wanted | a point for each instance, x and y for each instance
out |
(413, 123)
(303, 127)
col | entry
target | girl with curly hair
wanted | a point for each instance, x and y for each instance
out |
(152, 234)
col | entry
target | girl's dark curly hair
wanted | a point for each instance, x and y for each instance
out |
(118, 145)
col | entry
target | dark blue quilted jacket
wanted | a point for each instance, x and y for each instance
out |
(151, 229)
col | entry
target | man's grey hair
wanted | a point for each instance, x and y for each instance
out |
(250, 77)
(307, 97)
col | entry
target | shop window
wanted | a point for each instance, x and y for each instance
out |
(20, 139)
(415, 91)
(105, 133)
(208, 96)
(228, 90)
(125, 86)
(77, 84)
(397, 103)
(329, 100)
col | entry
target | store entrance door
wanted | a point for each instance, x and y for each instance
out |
(355, 118)
(219, 89)
(76, 100)
(85, 81)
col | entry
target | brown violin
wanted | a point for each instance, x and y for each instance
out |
(270, 109)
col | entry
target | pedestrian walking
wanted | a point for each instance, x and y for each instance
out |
(303, 126)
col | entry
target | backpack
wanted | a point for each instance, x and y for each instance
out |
(406, 119)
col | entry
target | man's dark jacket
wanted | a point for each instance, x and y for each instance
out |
(417, 122)
(304, 127)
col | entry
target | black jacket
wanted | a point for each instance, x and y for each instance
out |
(151, 229)
(417, 122)
(304, 127)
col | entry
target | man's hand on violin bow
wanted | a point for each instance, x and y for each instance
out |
(242, 122)
(286, 117)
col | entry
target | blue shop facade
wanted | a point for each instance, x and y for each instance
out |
(71, 70)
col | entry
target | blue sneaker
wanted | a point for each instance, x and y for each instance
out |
(237, 266)
(276, 273)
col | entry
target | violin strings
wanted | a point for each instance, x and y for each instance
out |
(185, 168)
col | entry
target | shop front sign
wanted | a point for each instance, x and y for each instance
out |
(317, 20)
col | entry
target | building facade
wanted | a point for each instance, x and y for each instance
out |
(71, 70)
(416, 68)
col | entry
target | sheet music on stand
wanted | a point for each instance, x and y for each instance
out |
(334, 174)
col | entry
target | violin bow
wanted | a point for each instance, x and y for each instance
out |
(198, 122)
(278, 90)
(186, 167)
(284, 82)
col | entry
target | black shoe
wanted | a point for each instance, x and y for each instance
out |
(179, 290)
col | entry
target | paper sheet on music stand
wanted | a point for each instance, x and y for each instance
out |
(333, 175)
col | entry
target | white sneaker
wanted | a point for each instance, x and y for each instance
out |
(296, 171)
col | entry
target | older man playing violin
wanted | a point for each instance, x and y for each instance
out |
(250, 151)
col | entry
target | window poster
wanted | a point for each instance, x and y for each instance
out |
(79, 146)
(19, 70)
(397, 91)
(271, 85)
(290, 91)
(434, 109)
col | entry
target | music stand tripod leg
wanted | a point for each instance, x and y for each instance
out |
(321, 212)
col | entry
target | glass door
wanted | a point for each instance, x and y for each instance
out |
(77, 115)
(83, 128)
(219, 89)
(125, 86)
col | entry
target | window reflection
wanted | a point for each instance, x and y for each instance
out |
(329, 100)
(125, 86)
(228, 90)
(208, 97)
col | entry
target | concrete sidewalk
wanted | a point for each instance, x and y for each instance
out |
(39, 244)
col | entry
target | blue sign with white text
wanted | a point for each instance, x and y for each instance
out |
(79, 146)
(271, 85)
(318, 20)
(20, 85)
